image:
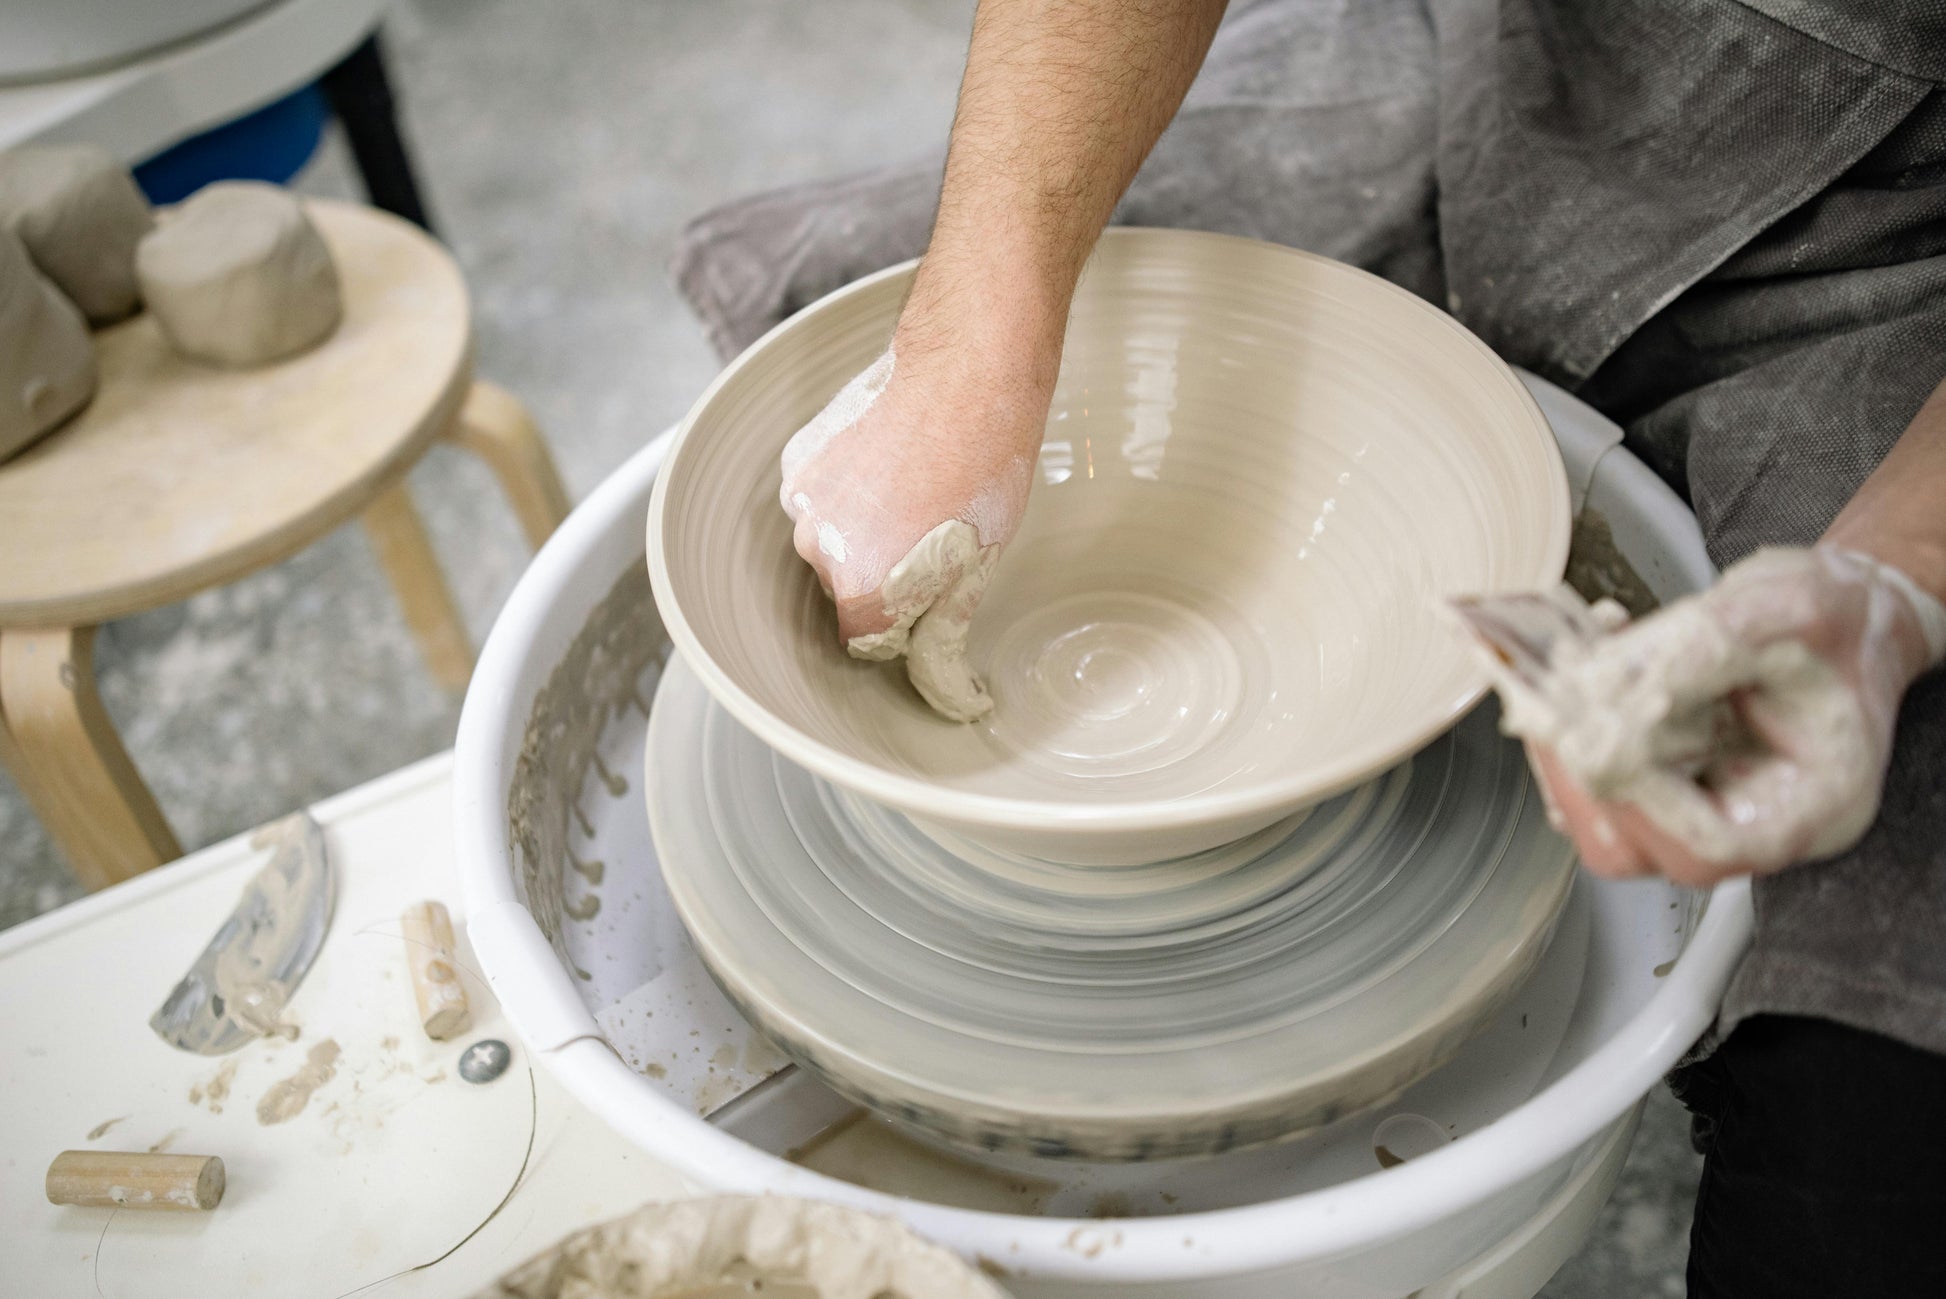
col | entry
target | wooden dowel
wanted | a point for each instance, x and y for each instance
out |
(435, 978)
(111, 1179)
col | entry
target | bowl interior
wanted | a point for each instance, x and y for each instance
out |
(1261, 470)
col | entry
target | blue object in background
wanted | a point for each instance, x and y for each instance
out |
(271, 144)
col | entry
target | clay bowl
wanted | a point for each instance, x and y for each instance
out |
(1262, 471)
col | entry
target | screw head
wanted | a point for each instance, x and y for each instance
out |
(485, 1060)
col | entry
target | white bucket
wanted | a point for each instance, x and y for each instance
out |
(1502, 1157)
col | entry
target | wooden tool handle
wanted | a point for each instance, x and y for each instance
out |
(112, 1179)
(435, 978)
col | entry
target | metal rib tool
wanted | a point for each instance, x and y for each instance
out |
(237, 989)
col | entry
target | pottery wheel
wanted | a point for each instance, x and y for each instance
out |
(1005, 1003)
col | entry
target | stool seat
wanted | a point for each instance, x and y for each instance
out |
(181, 475)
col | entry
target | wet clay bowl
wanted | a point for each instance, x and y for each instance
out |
(1262, 470)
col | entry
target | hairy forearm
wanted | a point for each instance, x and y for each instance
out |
(1060, 102)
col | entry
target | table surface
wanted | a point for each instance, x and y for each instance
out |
(181, 475)
(393, 1160)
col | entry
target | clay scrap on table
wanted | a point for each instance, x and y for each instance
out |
(239, 276)
(47, 359)
(79, 214)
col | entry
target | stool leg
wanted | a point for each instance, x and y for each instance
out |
(493, 425)
(64, 752)
(361, 94)
(406, 554)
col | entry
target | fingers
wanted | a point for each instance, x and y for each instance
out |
(1585, 820)
(930, 569)
(1736, 731)
(877, 624)
(819, 541)
(1619, 840)
(1663, 854)
(923, 612)
(1547, 770)
(804, 540)
(1747, 813)
(859, 616)
(862, 617)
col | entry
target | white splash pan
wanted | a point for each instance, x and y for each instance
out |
(1541, 1105)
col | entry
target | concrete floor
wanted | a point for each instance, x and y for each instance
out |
(561, 147)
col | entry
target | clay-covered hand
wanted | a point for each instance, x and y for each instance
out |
(904, 490)
(1739, 730)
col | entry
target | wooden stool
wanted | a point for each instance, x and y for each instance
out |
(181, 476)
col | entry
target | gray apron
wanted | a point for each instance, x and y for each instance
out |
(1722, 224)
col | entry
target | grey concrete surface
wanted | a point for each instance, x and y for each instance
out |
(562, 145)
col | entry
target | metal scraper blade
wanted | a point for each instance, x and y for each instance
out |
(1526, 632)
(236, 991)
(1522, 630)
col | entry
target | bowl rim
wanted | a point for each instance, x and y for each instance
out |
(928, 798)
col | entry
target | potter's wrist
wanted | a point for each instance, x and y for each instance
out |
(1919, 618)
(980, 338)
(1919, 552)
(1916, 556)
(1001, 307)
(974, 402)
(1924, 619)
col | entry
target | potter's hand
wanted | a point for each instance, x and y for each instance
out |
(1741, 729)
(903, 491)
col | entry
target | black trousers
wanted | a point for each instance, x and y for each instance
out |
(1824, 1168)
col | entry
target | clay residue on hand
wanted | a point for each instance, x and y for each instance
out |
(929, 627)
(1641, 713)
(287, 1097)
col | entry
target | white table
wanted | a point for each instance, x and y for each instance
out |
(393, 1160)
